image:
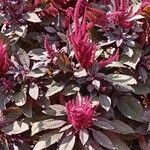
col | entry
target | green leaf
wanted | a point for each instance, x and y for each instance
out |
(71, 89)
(32, 17)
(103, 123)
(96, 84)
(36, 73)
(141, 88)
(131, 108)
(12, 113)
(20, 98)
(80, 73)
(133, 61)
(143, 74)
(148, 127)
(128, 51)
(36, 52)
(67, 143)
(23, 58)
(47, 140)
(98, 52)
(84, 136)
(3, 100)
(15, 128)
(102, 139)
(135, 2)
(4, 145)
(124, 87)
(27, 109)
(65, 128)
(120, 78)
(1, 20)
(34, 91)
(121, 127)
(136, 17)
(21, 30)
(62, 36)
(55, 110)
(116, 64)
(118, 143)
(105, 102)
(54, 88)
(46, 124)
(92, 145)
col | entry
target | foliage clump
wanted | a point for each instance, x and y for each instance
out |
(74, 75)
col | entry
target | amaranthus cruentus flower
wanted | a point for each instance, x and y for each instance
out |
(80, 112)
(83, 48)
(4, 62)
(120, 14)
(48, 47)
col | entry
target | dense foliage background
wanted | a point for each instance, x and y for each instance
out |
(75, 74)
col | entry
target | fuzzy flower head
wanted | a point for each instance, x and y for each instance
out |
(83, 48)
(80, 112)
(4, 61)
(122, 11)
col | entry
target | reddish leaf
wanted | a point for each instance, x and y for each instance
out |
(102, 139)
(96, 16)
(67, 143)
(63, 62)
(84, 136)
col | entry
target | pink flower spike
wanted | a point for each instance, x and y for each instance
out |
(48, 47)
(37, 2)
(121, 13)
(50, 10)
(4, 62)
(83, 48)
(69, 14)
(80, 112)
(77, 13)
